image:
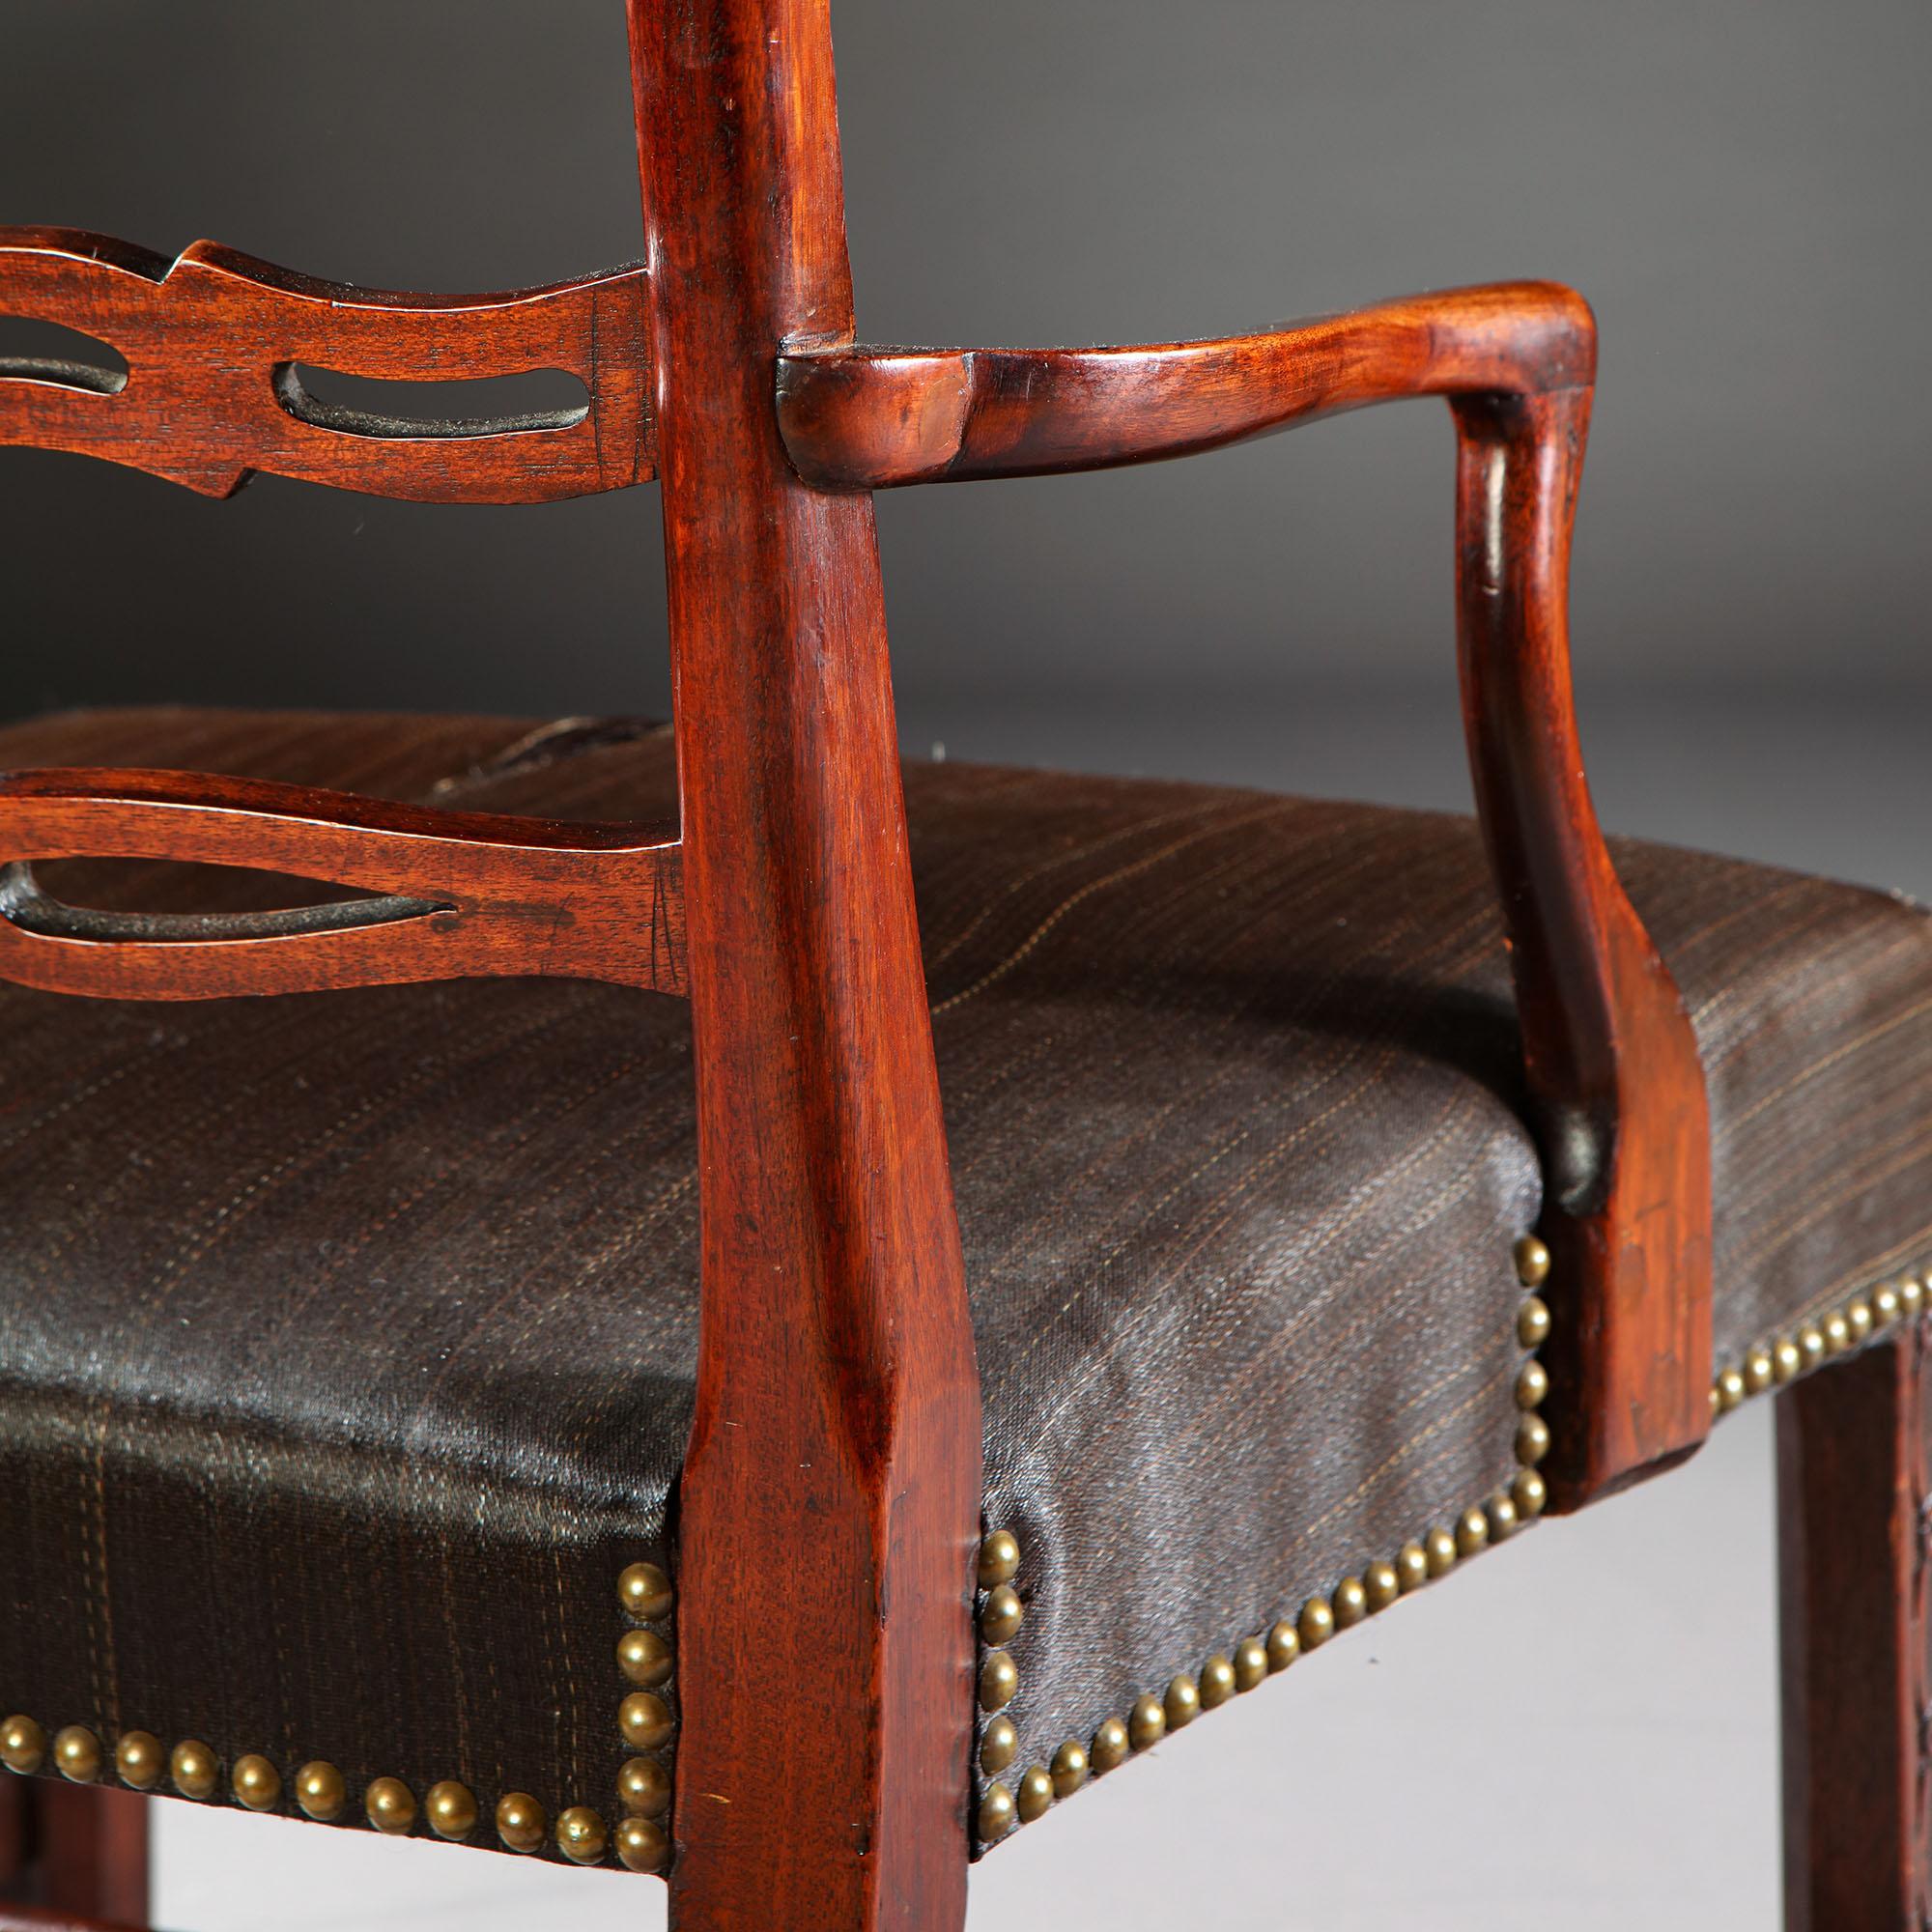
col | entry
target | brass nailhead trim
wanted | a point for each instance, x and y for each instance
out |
(390, 1806)
(322, 1791)
(451, 1809)
(644, 1658)
(23, 1744)
(257, 1785)
(140, 1760)
(646, 1722)
(77, 1753)
(1781, 1360)
(1352, 1601)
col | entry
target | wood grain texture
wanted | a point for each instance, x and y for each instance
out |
(15, 1833)
(1854, 1475)
(1611, 1064)
(1616, 1090)
(81, 1855)
(828, 1508)
(865, 418)
(212, 337)
(489, 895)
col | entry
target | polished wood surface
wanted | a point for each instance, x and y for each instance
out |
(1855, 1486)
(72, 1855)
(865, 418)
(829, 1509)
(213, 338)
(1616, 1089)
(466, 893)
(1609, 1052)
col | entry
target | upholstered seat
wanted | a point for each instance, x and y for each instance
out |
(348, 1338)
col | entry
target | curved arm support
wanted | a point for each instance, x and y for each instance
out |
(459, 894)
(859, 418)
(1609, 1055)
(1611, 1063)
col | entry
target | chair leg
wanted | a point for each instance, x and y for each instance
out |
(75, 1848)
(1854, 1473)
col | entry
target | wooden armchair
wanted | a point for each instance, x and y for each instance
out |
(485, 1396)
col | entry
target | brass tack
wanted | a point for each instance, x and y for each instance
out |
(1284, 1645)
(1411, 1567)
(194, 1768)
(23, 1744)
(580, 1835)
(1146, 1722)
(1532, 1322)
(320, 1790)
(1715, 1403)
(1001, 1614)
(1837, 1332)
(139, 1758)
(644, 1658)
(1182, 1702)
(451, 1808)
(1911, 1294)
(1251, 1663)
(644, 1719)
(1730, 1386)
(1383, 1584)
(1759, 1372)
(1502, 1513)
(646, 1592)
(997, 1746)
(1441, 1547)
(1811, 1344)
(998, 1559)
(1532, 1262)
(1786, 1360)
(1035, 1797)
(391, 1805)
(77, 1753)
(1532, 1384)
(1529, 1493)
(996, 1812)
(1110, 1746)
(1532, 1440)
(1858, 1318)
(255, 1782)
(1349, 1603)
(642, 1846)
(1317, 1623)
(1069, 1768)
(1886, 1306)
(1217, 1682)
(520, 1822)
(1472, 1531)
(643, 1787)
(999, 1678)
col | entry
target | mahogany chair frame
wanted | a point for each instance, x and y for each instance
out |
(827, 1535)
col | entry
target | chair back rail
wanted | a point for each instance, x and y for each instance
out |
(463, 894)
(214, 339)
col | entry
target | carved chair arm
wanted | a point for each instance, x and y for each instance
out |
(1616, 1087)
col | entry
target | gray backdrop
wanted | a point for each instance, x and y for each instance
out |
(1736, 183)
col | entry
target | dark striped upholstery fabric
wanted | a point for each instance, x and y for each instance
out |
(346, 1341)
